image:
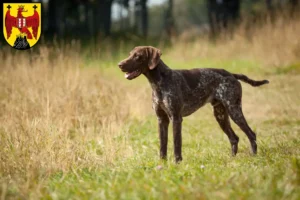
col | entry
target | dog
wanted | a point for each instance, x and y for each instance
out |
(179, 93)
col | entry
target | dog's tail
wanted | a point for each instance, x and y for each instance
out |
(254, 83)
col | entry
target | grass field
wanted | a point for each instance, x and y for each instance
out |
(71, 127)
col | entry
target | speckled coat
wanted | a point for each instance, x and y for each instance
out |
(179, 93)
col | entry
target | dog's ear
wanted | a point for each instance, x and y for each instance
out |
(153, 57)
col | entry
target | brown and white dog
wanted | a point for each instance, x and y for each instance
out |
(179, 93)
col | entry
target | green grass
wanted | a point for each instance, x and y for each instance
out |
(207, 171)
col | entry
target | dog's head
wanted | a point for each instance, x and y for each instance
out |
(141, 59)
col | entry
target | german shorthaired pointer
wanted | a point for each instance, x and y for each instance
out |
(179, 93)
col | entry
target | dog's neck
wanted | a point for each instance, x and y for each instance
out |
(156, 75)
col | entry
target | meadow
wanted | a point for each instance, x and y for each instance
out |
(72, 127)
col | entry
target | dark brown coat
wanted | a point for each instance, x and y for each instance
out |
(179, 93)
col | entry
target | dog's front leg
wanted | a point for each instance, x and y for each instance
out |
(177, 121)
(163, 124)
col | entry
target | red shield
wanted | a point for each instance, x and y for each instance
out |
(21, 22)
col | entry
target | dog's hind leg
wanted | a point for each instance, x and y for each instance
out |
(236, 114)
(222, 118)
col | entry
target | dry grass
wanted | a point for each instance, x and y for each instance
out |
(274, 44)
(58, 114)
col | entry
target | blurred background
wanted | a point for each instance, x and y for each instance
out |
(90, 19)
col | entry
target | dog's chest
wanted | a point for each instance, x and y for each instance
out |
(166, 100)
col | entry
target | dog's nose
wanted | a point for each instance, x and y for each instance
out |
(120, 64)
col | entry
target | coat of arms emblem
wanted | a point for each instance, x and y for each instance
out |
(22, 24)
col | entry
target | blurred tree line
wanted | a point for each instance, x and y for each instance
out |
(93, 18)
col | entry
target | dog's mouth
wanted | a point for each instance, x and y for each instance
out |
(133, 74)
